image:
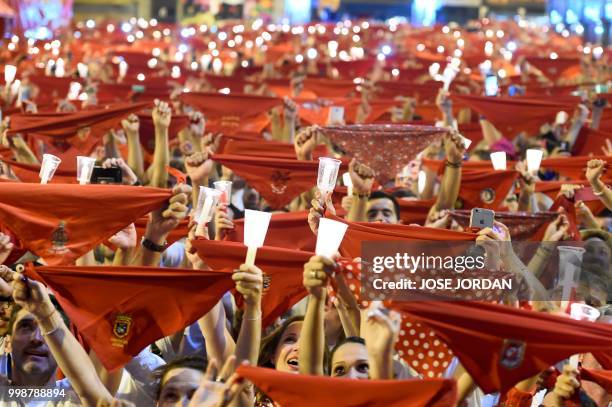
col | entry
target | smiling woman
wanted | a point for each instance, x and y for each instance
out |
(279, 350)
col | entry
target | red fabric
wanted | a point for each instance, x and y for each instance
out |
(158, 302)
(386, 149)
(590, 141)
(67, 125)
(60, 223)
(29, 173)
(147, 129)
(601, 377)
(282, 225)
(477, 186)
(263, 148)
(504, 112)
(554, 69)
(516, 398)
(552, 188)
(228, 113)
(570, 212)
(414, 210)
(477, 333)
(330, 88)
(179, 232)
(277, 180)
(295, 390)
(359, 232)
(522, 225)
(283, 272)
(573, 167)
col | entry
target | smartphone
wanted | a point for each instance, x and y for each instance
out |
(481, 218)
(491, 85)
(336, 115)
(138, 88)
(110, 175)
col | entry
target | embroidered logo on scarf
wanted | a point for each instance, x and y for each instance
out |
(279, 180)
(487, 195)
(512, 353)
(59, 238)
(121, 329)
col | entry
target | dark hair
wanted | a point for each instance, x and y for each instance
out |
(188, 362)
(384, 195)
(403, 193)
(270, 342)
(349, 339)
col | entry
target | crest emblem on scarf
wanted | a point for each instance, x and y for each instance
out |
(279, 181)
(512, 353)
(487, 195)
(121, 329)
(59, 238)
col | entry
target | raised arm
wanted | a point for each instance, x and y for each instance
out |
(380, 331)
(595, 169)
(580, 116)
(249, 283)
(69, 354)
(131, 127)
(312, 337)
(362, 178)
(161, 223)
(161, 119)
(451, 180)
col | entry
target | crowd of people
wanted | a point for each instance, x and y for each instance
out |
(139, 289)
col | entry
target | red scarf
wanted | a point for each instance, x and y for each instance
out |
(147, 130)
(277, 180)
(499, 346)
(298, 390)
(29, 173)
(294, 224)
(485, 189)
(384, 149)
(230, 113)
(359, 232)
(121, 310)
(64, 222)
(504, 111)
(601, 377)
(263, 148)
(283, 272)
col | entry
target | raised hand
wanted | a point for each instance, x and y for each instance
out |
(198, 167)
(197, 124)
(316, 274)
(28, 294)
(128, 176)
(161, 115)
(6, 246)
(595, 168)
(126, 238)
(218, 390)
(249, 283)
(317, 210)
(454, 147)
(222, 221)
(163, 221)
(305, 142)
(131, 125)
(362, 177)
(381, 327)
(439, 219)
(556, 230)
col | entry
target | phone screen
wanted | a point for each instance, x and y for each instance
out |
(491, 85)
